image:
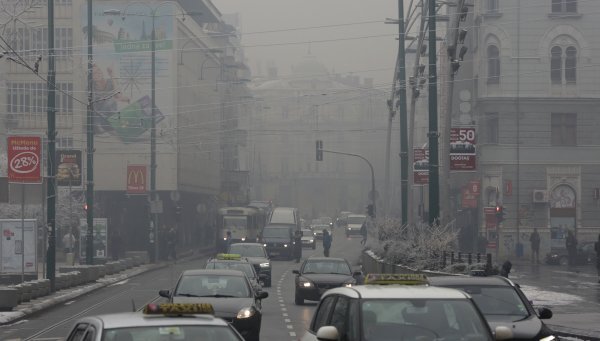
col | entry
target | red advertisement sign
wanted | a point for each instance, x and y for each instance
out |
(491, 221)
(24, 159)
(508, 187)
(136, 179)
(463, 155)
(421, 166)
(469, 199)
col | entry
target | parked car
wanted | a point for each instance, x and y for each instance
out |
(585, 255)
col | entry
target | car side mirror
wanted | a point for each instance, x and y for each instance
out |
(164, 293)
(262, 295)
(296, 272)
(503, 333)
(544, 313)
(327, 333)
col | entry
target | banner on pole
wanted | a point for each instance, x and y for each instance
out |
(421, 166)
(463, 154)
(24, 159)
(68, 172)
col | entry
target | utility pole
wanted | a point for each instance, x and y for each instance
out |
(89, 194)
(434, 199)
(403, 113)
(51, 198)
(153, 193)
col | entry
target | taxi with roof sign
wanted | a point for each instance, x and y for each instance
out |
(234, 261)
(400, 307)
(157, 322)
(229, 292)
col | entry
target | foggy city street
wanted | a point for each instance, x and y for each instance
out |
(413, 170)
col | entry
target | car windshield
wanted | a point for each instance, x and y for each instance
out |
(276, 232)
(325, 220)
(356, 219)
(326, 267)
(243, 267)
(170, 333)
(247, 250)
(497, 300)
(282, 217)
(307, 233)
(422, 320)
(234, 222)
(212, 286)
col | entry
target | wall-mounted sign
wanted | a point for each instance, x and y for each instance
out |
(136, 179)
(68, 171)
(24, 159)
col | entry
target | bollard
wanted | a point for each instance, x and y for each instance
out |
(452, 257)
(460, 257)
(444, 259)
(470, 258)
(488, 264)
(478, 257)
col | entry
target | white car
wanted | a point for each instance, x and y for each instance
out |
(183, 322)
(399, 312)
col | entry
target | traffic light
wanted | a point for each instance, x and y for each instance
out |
(177, 212)
(499, 213)
(85, 207)
(371, 210)
(319, 150)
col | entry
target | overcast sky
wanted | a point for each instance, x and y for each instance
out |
(357, 56)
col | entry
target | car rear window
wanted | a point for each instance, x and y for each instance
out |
(162, 333)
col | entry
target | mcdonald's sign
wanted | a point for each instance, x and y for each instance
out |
(136, 179)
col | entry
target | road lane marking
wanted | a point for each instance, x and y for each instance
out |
(284, 315)
(69, 303)
(288, 321)
(119, 283)
(292, 334)
(289, 326)
(283, 309)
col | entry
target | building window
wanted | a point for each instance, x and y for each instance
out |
(491, 128)
(571, 65)
(31, 98)
(493, 55)
(566, 70)
(556, 65)
(492, 6)
(564, 129)
(564, 6)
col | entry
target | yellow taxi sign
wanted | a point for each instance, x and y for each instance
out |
(406, 279)
(178, 309)
(229, 256)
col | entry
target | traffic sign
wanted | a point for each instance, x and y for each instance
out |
(24, 159)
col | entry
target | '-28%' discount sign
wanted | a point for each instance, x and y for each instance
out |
(24, 159)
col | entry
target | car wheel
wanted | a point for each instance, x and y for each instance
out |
(563, 260)
(298, 299)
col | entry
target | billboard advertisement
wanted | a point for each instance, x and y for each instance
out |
(463, 154)
(137, 179)
(69, 166)
(122, 70)
(100, 238)
(421, 166)
(24, 159)
(14, 242)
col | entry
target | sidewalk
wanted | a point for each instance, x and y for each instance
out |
(68, 294)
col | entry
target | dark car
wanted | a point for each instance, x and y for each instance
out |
(279, 240)
(257, 255)
(236, 262)
(319, 274)
(230, 294)
(586, 254)
(502, 303)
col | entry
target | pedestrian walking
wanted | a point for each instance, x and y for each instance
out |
(327, 239)
(298, 246)
(571, 244)
(506, 267)
(363, 233)
(597, 248)
(226, 242)
(534, 239)
(68, 242)
(171, 243)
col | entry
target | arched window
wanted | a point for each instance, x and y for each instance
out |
(571, 65)
(556, 65)
(493, 55)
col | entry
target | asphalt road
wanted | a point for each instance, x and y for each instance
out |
(282, 319)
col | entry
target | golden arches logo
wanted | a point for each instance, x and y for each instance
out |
(139, 178)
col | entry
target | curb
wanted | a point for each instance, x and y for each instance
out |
(65, 295)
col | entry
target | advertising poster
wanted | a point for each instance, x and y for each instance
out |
(136, 179)
(100, 238)
(12, 246)
(421, 166)
(463, 155)
(470, 194)
(491, 222)
(24, 159)
(122, 71)
(69, 166)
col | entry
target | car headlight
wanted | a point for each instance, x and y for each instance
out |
(304, 283)
(350, 282)
(314, 233)
(243, 239)
(285, 245)
(548, 338)
(265, 245)
(246, 312)
(311, 241)
(264, 265)
(349, 228)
